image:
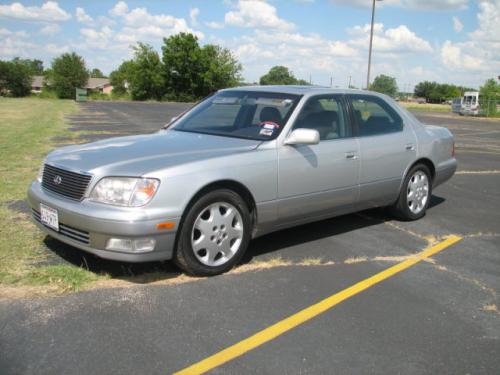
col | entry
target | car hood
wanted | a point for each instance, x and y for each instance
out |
(142, 154)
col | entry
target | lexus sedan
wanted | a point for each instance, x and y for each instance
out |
(241, 163)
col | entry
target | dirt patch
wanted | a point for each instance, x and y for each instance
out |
(491, 308)
(20, 206)
(355, 260)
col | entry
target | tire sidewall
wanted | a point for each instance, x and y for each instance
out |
(185, 257)
(403, 209)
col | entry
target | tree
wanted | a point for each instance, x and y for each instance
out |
(146, 81)
(15, 77)
(279, 75)
(35, 66)
(4, 74)
(96, 73)
(121, 77)
(220, 70)
(489, 95)
(192, 72)
(68, 73)
(182, 66)
(385, 85)
(434, 92)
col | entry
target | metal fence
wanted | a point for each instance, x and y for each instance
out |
(489, 107)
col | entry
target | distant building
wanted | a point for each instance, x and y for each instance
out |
(101, 85)
(37, 84)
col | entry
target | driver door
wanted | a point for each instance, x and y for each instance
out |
(319, 180)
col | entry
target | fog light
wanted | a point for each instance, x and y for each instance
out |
(141, 245)
(144, 244)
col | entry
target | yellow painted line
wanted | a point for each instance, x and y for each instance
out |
(310, 312)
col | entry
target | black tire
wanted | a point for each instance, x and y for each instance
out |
(185, 257)
(401, 209)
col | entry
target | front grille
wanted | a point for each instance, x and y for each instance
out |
(69, 184)
(66, 230)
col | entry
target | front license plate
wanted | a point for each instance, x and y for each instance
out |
(49, 217)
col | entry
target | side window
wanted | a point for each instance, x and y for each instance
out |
(374, 116)
(326, 115)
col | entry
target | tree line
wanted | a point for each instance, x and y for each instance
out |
(183, 71)
(67, 72)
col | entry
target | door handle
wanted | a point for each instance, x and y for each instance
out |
(350, 155)
(409, 147)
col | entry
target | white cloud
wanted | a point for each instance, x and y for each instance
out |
(489, 21)
(120, 9)
(256, 14)
(48, 12)
(140, 24)
(54, 49)
(214, 25)
(82, 16)
(417, 71)
(50, 29)
(193, 14)
(410, 4)
(481, 52)
(457, 24)
(19, 34)
(99, 39)
(454, 58)
(14, 43)
(399, 39)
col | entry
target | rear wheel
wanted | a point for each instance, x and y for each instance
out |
(415, 194)
(214, 235)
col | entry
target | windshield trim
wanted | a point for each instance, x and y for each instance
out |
(219, 135)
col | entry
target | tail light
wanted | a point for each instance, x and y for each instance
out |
(453, 149)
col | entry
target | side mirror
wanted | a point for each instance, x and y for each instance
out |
(303, 136)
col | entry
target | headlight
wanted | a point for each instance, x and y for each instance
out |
(125, 191)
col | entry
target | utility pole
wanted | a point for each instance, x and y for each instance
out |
(349, 86)
(370, 49)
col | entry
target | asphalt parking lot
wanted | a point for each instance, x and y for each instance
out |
(438, 316)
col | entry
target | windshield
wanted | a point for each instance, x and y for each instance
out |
(241, 114)
(469, 100)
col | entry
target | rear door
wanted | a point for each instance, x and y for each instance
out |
(387, 148)
(319, 180)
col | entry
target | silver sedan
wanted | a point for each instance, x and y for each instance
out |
(240, 164)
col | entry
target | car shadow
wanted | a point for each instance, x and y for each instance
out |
(143, 273)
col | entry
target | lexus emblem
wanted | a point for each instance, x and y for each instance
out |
(57, 180)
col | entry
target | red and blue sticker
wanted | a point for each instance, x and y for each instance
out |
(268, 128)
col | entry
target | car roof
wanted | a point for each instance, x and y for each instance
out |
(298, 90)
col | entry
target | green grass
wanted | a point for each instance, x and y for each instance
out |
(27, 127)
(427, 107)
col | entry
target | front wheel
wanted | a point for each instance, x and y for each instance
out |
(415, 194)
(214, 235)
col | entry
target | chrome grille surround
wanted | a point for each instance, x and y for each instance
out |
(69, 184)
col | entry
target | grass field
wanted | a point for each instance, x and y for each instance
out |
(27, 127)
(427, 107)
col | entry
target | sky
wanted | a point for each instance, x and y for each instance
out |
(325, 41)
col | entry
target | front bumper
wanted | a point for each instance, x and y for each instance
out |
(88, 226)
